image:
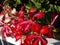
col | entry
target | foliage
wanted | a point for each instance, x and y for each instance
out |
(30, 18)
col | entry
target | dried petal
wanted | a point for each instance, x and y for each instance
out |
(1, 17)
(7, 20)
(13, 11)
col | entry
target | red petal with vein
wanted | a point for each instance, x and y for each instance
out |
(27, 28)
(8, 35)
(13, 29)
(35, 27)
(18, 34)
(36, 42)
(14, 34)
(32, 10)
(3, 32)
(18, 27)
(17, 38)
(44, 30)
(43, 41)
(7, 28)
(39, 15)
(13, 22)
(22, 8)
(24, 22)
(21, 14)
(29, 38)
(7, 32)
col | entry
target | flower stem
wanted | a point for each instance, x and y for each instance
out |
(54, 20)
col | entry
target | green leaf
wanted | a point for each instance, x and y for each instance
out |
(37, 4)
(17, 2)
(59, 9)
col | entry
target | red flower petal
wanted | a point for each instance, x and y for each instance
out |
(29, 38)
(7, 29)
(36, 42)
(22, 8)
(50, 33)
(13, 22)
(17, 33)
(13, 29)
(8, 35)
(27, 28)
(35, 27)
(32, 10)
(24, 22)
(21, 14)
(3, 32)
(43, 41)
(39, 15)
(44, 30)
(17, 38)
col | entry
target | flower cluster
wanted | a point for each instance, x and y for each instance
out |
(18, 24)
